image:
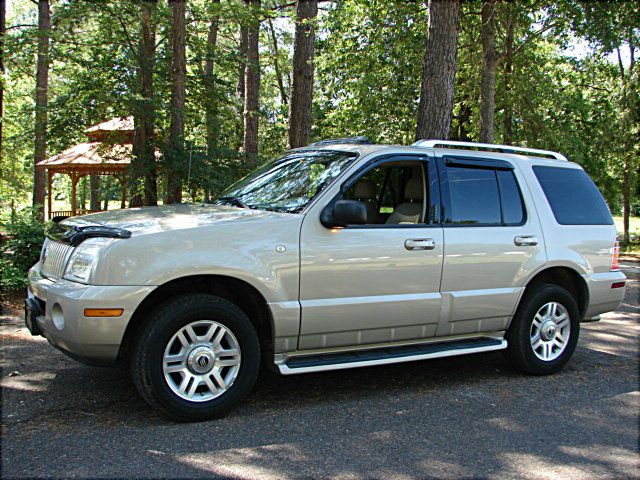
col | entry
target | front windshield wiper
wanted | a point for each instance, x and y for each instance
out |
(233, 201)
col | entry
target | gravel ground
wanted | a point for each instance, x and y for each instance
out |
(459, 417)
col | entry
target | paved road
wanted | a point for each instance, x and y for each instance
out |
(462, 417)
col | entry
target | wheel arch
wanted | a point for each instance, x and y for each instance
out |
(237, 291)
(565, 277)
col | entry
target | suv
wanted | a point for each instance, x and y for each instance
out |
(336, 255)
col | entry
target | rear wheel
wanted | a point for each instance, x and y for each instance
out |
(197, 357)
(544, 332)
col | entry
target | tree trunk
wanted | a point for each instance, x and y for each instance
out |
(626, 198)
(178, 77)
(240, 88)
(489, 66)
(83, 193)
(252, 88)
(94, 192)
(242, 61)
(507, 116)
(211, 102)
(276, 63)
(3, 14)
(438, 77)
(302, 87)
(144, 164)
(42, 80)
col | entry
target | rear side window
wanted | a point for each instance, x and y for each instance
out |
(483, 196)
(573, 197)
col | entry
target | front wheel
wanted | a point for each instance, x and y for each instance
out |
(197, 357)
(544, 332)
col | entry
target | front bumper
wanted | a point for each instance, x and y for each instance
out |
(63, 323)
(603, 298)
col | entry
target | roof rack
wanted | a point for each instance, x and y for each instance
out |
(334, 141)
(491, 147)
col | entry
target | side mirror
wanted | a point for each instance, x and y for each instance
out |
(343, 213)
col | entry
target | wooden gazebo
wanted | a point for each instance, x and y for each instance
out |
(107, 152)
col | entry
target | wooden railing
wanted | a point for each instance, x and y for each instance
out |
(69, 213)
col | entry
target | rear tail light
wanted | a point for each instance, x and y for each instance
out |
(615, 253)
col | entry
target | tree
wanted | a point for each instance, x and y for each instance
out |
(276, 62)
(252, 87)
(507, 108)
(3, 13)
(609, 26)
(42, 81)
(489, 65)
(211, 113)
(302, 88)
(94, 192)
(178, 79)
(440, 61)
(143, 164)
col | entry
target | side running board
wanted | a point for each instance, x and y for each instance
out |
(383, 356)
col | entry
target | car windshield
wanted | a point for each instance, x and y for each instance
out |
(289, 183)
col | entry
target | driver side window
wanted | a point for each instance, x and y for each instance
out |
(394, 193)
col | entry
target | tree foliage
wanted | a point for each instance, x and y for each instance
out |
(558, 82)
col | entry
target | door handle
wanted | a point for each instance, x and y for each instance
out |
(525, 240)
(420, 244)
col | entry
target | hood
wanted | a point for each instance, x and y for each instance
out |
(170, 217)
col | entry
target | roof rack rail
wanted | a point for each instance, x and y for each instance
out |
(361, 140)
(491, 147)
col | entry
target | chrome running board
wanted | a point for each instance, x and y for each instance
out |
(387, 355)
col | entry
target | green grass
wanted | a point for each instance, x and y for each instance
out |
(634, 225)
(634, 233)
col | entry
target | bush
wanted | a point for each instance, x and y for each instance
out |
(21, 237)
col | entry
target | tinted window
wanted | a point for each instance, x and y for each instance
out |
(474, 196)
(574, 198)
(512, 208)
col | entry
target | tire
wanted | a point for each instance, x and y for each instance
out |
(224, 374)
(540, 349)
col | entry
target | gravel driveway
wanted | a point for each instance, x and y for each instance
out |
(458, 417)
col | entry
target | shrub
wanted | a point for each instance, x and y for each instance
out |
(21, 237)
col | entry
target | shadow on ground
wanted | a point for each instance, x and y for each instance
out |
(456, 417)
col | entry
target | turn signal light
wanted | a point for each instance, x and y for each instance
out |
(615, 253)
(103, 312)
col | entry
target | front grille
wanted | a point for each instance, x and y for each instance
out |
(54, 258)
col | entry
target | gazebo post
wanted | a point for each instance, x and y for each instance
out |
(50, 191)
(74, 201)
(123, 183)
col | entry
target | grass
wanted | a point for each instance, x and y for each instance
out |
(634, 233)
(634, 225)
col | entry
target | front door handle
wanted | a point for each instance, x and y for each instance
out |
(525, 240)
(420, 244)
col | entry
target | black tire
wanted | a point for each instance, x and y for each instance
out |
(164, 322)
(520, 353)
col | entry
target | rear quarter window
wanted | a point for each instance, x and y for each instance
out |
(573, 197)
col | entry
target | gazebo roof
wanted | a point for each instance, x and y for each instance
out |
(116, 130)
(96, 157)
(115, 124)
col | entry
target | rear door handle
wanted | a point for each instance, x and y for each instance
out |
(420, 244)
(525, 240)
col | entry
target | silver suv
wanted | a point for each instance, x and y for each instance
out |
(337, 255)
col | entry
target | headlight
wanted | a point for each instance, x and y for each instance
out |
(83, 258)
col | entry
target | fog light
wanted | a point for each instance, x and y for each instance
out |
(57, 316)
